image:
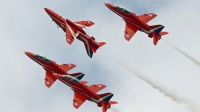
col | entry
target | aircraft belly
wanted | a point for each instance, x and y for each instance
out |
(74, 26)
(91, 96)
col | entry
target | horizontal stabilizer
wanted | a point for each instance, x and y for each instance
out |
(163, 33)
(78, 75)
(49, 79)
(96, 87)
(67, 67)
(99, 44)
(113, 102)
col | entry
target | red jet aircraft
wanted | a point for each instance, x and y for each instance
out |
(135, 23)
(82, 92)
(75, 30)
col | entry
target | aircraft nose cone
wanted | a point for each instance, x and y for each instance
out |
(29, 54)
(47, 10)
(108, 4)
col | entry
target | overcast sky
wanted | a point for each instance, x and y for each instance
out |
(25, 25)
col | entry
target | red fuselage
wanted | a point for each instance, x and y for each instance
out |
(61, 22)
(74, 83)
(76, 86)
(75, 30)
(46, 63)
(129, 17)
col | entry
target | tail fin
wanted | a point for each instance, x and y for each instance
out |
(157, 28)
(106, 96)
(163, 33)
(157, 33)
(78, 75)
(106, 101)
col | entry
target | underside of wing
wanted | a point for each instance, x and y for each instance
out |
(67, 67)
(69, 33)
(78, 100)
(96, 87)
(130, 30)
(49, 79)
(84, 24)
(147, 17)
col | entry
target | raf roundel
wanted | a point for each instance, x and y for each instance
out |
(127, 35)
(150, 15)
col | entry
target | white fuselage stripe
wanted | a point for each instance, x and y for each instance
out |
(150, 31)
(86, 41)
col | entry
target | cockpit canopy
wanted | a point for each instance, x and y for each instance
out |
(123, 9)
(42, 58)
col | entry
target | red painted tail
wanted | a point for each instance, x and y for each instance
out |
(106, 103)
(99, 44)
(156, 38)
(163, 33)
(104, 107)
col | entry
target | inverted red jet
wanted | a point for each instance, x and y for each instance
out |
(82, 92)
(135, 23)
(75, 30)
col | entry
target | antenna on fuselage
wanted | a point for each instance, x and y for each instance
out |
(42, 7)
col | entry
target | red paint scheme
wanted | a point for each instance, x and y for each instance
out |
(75, 30)
(135, 23)
(82, 92)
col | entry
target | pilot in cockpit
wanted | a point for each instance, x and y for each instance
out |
(123, 9)
(43, 58)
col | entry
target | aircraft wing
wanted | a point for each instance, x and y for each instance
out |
(69, 35)
(49, 79)
(78, 100)
(84, 24)
(147, 17)
(96, 87)
(130, 30)
(67, 67)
